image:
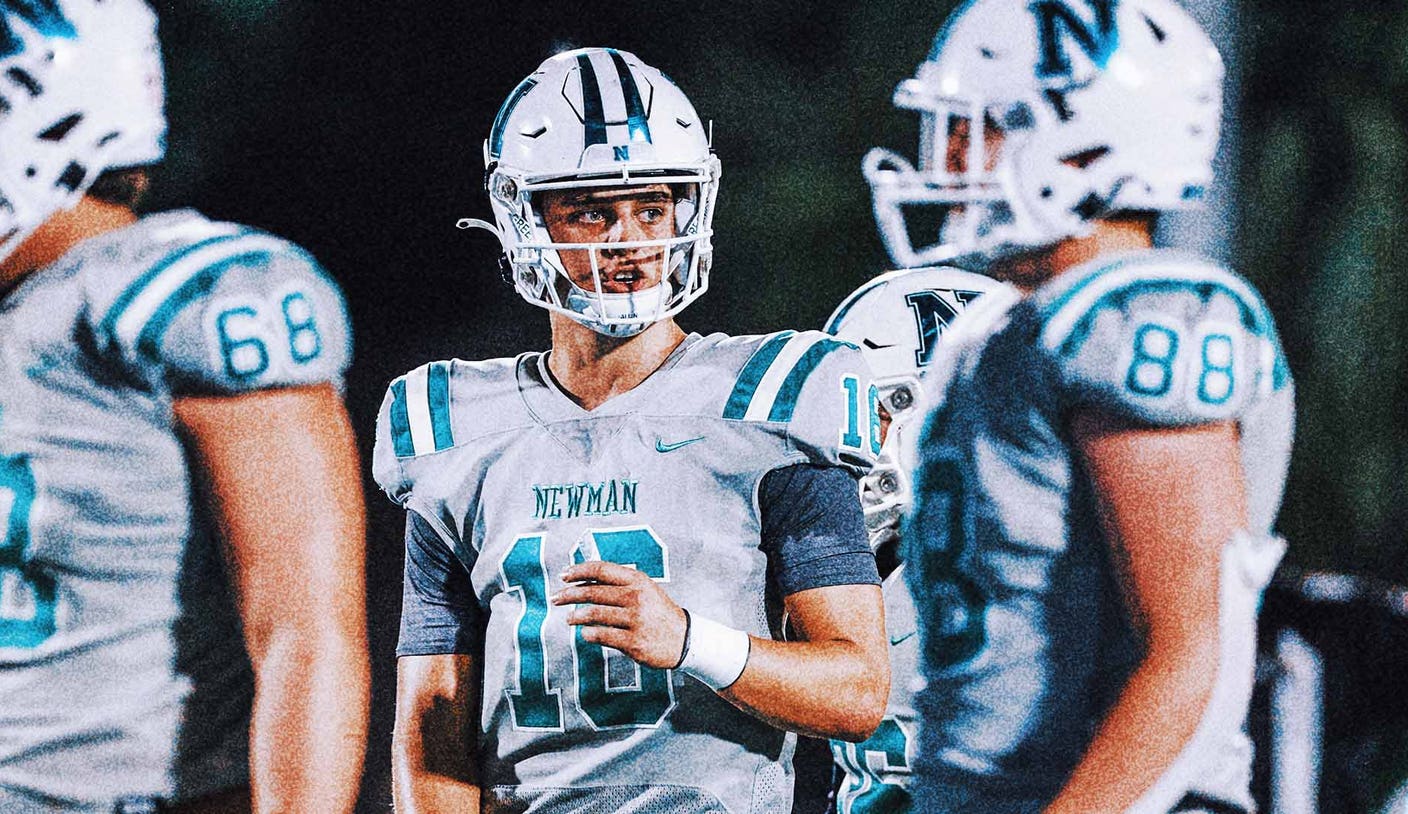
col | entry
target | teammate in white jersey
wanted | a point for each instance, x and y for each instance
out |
(602, 539)
(900, 320)
(1098, 484)
(181, 600)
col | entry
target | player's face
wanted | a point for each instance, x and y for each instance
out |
(959, 135)
(612, 215)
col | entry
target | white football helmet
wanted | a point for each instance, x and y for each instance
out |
(1039, 116)
(899, 320)
(81, 92)
(598, 117)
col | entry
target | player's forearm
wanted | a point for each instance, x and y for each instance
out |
(1155, 717)
(434, 759)
(828, 689)
(310, 719)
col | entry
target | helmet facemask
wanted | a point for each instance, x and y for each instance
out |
(886, 490)
(592, 281)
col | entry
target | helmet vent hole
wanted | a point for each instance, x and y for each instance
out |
(1155, 30)
(72, 177)
(1046, 192)
(60, 129)
(682, 123)
(536, 133)
(30, 172)
(23, 78)
(987, 53)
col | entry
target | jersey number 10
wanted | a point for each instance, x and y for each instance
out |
(536, 705)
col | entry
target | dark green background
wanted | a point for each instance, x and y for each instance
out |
(355, 129)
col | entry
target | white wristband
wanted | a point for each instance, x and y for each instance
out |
(716, 654)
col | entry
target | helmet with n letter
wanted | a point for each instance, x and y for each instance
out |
(899, 320)
(598, 119)
(80, 93)
(1037, 118)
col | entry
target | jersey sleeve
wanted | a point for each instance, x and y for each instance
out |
(813, 529)
(440, 613)
(1163, 348)
(239, 312)
(819, 391)
(387, 470)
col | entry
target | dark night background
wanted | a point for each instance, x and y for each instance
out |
(355, 130)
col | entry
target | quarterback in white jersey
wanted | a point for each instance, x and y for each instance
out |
(901, 322)
(181, 612)
(602, 539)
(1098, 482)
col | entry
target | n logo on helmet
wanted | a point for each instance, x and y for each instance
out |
(43, 16)
(933, 314)
(1058, 26)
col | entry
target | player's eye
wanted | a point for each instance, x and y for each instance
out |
(590, 217)
(652, 214)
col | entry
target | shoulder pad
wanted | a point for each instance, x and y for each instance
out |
(218, 308)
(1161, 338)
(768, 386)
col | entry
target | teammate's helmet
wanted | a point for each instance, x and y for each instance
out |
(899, 321)
(598, 117)
(80, 93)
(1039, 116)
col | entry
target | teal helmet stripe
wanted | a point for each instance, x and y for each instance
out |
(496, 133)
(636, 119)
(401, 421)
(752, 375)
(786, 403)
(593, 114)
(200, 284)
(43, 16)
(438, 393)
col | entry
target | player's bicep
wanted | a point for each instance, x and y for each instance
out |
(1170, 501)
(283, 476)
(440, 613)
(840, 613)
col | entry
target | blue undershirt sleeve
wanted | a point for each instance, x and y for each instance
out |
(814, 529)
(440, 614)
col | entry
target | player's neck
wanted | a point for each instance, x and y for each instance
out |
(593, 368)
(61, 232)
(1108, 237)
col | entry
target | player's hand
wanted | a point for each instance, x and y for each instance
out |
(623, 608)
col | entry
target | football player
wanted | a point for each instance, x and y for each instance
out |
(1097, 488)
(181, 593)
(602, 539)
(901, 321)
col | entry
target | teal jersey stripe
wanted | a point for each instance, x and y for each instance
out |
(202, 283)
(438, 391)
(752, 375)
(786, 403)
(401, 421)
(108, 325)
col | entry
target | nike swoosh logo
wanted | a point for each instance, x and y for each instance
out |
(894, 640)
(661, 446)
(873, 346)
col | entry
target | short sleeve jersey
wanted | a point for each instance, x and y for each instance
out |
(1026, 640)
(111, 585)
(519, 482)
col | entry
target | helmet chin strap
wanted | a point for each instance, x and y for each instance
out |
(600, 312)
